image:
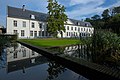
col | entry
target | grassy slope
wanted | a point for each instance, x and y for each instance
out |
(51, 42)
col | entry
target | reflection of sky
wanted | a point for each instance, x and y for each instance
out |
(33, 71)
(3, 60)
(38, 72)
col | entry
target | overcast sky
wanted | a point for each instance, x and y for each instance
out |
(76, 9)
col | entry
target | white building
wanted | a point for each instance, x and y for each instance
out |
(31, 24)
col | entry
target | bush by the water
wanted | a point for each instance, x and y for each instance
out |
(104, 44)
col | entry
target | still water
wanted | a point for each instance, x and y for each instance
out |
(17, 62)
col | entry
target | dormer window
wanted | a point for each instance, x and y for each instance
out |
(78, 23)
(32, 16)
(86, 25)
(40, 25)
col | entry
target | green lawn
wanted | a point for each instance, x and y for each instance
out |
(51, 42)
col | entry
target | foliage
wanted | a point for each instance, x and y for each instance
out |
(56, 17)
(110, 20)
(114, 23)
(104, 44)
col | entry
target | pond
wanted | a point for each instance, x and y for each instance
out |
(18, 62)
(83, 52)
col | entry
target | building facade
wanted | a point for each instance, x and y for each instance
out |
(31, 24)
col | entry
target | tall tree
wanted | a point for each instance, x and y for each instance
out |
(95, 17)
(114, 23)
(116, 10)
(56, 17)
(105, 14)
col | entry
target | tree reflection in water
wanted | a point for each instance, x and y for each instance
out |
(54, 70)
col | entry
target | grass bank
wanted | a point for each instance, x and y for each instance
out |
(51, 42)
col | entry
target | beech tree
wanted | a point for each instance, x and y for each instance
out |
(56, 18)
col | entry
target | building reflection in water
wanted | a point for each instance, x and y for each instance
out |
(20, 58)
(17, 59)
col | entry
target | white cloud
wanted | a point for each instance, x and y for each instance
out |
(116, 4)
(86, 7)
(74, 2)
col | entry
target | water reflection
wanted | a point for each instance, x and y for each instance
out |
(79, 51)
(86, 53)
(21, 57)
(21, 63)
(54, 70)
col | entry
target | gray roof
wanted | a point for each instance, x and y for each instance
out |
(80, 23)
(19, 13)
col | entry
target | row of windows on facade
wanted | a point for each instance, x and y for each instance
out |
(78, 34)
(78, 29)
(24, 24)
(41, 33)
(40, 26)
(15, 55)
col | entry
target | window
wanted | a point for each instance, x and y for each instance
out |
(15, 31)
(75, 28)
(15, 23)
(84, 34)
(84, 29)
(86, 24)
(80, 34)
(89, 30)
(24, 53)
(71, 33)
(15, 55)
(39, 33)
(22, 33)
(71, 28)
(43, 33)
(32, 16)
(33, 24)
(74, 33)
(81, 29)
(31, 33)
(67, 34)
(35, 33)
(40, 25)
(78, 23)
(67, 27)
(46, 33)
(24, 24)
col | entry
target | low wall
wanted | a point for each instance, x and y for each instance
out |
(89, 70)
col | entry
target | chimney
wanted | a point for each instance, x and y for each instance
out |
(23, 7)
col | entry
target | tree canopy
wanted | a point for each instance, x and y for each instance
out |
(56, 17)
(109, 19)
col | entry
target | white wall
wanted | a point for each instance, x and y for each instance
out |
(28, 28)
(82, 30)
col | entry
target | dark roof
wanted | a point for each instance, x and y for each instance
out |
(19, 13)
(80, 23)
